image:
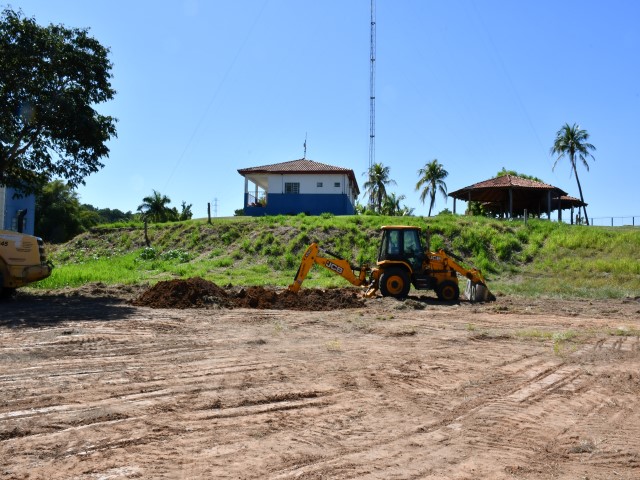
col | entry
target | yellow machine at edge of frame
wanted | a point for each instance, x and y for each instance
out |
(402, 262)
(22, 261)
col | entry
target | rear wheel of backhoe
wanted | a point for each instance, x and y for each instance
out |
(394, 282)
(448, 291)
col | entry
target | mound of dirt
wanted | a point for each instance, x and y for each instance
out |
(192, 293)
(199, 293)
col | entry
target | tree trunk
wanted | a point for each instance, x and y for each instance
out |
(584, 207)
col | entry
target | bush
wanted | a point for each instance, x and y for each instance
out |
(148, 253)
(176, 254)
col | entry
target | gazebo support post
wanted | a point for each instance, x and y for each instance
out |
(549, 204)
(510, 203)
(559, 209)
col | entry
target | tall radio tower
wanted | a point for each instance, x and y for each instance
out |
(372, 89)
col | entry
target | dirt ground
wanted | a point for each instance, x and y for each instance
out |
(97, 384)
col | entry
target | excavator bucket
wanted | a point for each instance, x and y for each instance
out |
(478, 292)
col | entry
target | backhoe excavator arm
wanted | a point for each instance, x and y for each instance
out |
(472, 274)
(338, 266)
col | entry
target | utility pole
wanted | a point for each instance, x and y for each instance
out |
(215, 208)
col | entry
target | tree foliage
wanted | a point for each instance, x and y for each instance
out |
(155, 208)
(376, 185)
(50, 80)
(391, 206)
(59, 214)
(185, 213)
(107, 215)
(573, 142)
(431, 180)
(513, 173)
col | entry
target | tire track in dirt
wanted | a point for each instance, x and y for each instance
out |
(271, 394)
(523, 408)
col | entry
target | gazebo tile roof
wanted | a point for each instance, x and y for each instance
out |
(510, 181)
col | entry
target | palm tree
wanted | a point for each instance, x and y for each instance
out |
(155, 207)
(375, 186)
(572, 141)
(391, 204)
(431, 181)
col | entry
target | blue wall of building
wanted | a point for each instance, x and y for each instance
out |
(311, 204)
(11, 207)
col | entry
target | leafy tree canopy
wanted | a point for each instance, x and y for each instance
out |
(155, 208)
(513, 173)
(431, 180)
(59, 214)
(376, 185)
(50, 80)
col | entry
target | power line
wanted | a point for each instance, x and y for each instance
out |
(215, 95)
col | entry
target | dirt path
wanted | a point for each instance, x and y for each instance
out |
(95, 388)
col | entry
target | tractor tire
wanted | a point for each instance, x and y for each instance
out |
(394, 282)
(448, 291)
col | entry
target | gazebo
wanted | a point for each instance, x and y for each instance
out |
(511, 196)
(565, 202)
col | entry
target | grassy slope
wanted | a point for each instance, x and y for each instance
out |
(541, 258)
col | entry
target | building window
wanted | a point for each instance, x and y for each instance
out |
(319, 185)
(292, 187)
(337, 184)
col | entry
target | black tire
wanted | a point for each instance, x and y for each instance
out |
(394, 282)
(448, 291)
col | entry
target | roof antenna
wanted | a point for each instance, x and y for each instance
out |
(304, 157)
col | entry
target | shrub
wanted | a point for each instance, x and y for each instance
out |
(148, 253)
(176, 254)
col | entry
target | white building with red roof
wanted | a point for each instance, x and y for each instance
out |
(299, 186)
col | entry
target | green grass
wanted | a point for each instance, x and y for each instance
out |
(541, 258)
(122, 269)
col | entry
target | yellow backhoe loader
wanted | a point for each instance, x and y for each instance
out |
(22, 261)
(402, 262)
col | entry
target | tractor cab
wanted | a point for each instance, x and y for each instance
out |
(401, 244)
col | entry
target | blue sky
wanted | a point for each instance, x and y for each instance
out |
(209, 86)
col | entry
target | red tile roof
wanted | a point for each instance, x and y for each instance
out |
(510, 181)
(504, 183)
(301, 166)
(568, 201)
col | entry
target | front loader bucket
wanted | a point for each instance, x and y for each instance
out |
(478, 292)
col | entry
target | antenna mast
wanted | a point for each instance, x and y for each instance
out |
(305, 146)
(372, 89)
